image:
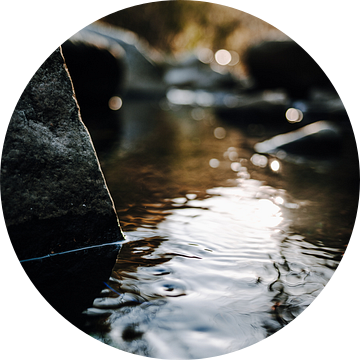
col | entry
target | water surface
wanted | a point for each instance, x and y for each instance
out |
(221, 251)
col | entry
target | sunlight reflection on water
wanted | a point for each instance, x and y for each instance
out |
(215, 258)
(219, 283)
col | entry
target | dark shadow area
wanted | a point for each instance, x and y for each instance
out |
(77, 262)
(70, 281)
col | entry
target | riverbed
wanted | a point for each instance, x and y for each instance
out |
(223, 248)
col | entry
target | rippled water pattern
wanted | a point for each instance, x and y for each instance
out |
(216, 258)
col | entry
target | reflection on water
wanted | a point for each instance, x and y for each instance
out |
(224, 246)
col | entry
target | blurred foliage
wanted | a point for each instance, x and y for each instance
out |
(173, 27)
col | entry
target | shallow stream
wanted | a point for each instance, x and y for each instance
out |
(222, 249)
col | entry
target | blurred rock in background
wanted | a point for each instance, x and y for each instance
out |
(285, 65)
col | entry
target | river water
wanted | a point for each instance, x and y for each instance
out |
(222, 250)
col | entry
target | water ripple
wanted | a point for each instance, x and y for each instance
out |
(215, 259)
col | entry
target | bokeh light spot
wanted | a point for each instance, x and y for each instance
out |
(223, 57)
(115, 103)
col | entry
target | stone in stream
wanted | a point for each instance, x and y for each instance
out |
(139, 73)
(57, 208)
(285, 65)
(97, 71)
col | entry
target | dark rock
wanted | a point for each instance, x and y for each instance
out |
(267, 109)
(141, 74)
(254, 111)
(96, 73)
(54, 197)
(323, 105)
(286, 65)
(318, 140)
